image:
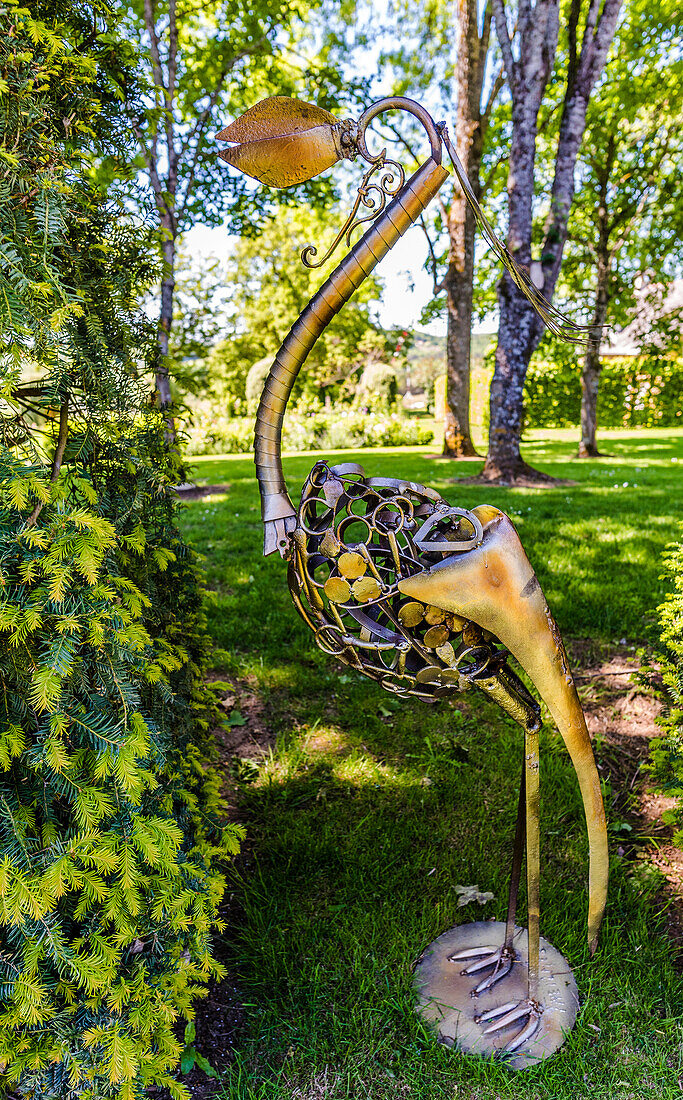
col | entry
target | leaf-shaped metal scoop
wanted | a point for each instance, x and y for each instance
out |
(282, 141)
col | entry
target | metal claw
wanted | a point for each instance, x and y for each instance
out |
(502, 1010)
(500, 958)
(470, 953)
(527, 1033)
(507, 1014)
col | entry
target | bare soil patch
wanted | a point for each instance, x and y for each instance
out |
(196, 492)
(621, 716)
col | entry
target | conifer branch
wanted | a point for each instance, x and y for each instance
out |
(58, 456)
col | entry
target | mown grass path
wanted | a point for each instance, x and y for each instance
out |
(367, 813)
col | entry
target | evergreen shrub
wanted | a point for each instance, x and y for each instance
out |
(667, 752)
(110, 853)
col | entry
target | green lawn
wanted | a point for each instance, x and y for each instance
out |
(368, 812)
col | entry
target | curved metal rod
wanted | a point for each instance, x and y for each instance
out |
(277, 510)
(398, 103)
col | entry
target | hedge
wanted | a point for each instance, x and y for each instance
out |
(634, 393)
(667, 751)
(334, 429)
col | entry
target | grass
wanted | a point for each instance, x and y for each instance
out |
(367, 813)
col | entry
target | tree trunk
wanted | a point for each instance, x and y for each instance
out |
(517, 337)
(163, 381)
(458, 281)
(520, 327)
(590, 380)
(590, 375)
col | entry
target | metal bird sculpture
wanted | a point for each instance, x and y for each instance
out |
(425, 598)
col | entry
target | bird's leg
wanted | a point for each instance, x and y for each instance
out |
(529, 1010)
(500, 959)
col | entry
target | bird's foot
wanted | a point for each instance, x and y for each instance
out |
(528, 1012)
(500, 959)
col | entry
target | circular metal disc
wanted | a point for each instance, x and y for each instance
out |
(445, 1001)
(366, 588)
(436, 636)
(411, 614)
(352, 565)
(337, 589)
(427, 674)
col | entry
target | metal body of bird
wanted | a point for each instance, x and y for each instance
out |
(425, 598)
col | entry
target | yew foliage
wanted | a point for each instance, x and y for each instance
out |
(109, 883)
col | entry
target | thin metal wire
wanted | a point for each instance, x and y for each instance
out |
(556, 321)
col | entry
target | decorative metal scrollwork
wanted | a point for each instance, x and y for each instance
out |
(373, 196)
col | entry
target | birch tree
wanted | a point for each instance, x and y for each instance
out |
(472, 118)
(205, 62)
(453, 58)
(628, 223)
(590, 31)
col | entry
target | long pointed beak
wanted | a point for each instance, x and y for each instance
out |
(495, 586)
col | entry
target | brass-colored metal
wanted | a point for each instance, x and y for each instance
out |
(496, 587)
(373, 196)
(276, 508)
(352, 565)
(411, 614)
(338, 590)
(436, 636)
(366, 588)
(283, 141)
(425, 598)
(533, 856)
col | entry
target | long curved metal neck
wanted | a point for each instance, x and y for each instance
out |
(277, 510)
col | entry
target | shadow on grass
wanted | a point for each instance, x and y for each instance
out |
(360, 827)
(596, 547)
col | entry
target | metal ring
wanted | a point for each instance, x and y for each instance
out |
(349, 519)
(379, 525)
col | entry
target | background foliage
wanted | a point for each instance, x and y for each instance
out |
(638, 392)
(667, 754)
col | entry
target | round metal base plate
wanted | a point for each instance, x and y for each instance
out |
(445, 1000)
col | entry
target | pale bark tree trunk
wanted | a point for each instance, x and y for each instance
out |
(459, 277)
(520, 327)
(163, 380)
(172, 156)
(471, 122)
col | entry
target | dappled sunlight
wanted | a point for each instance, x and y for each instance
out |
(361, 770)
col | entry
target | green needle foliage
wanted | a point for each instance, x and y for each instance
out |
(109, 879)
(667, 754)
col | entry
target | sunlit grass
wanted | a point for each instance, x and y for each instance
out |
(368, 812)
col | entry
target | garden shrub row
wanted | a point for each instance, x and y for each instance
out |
(111, 847)
(334, 429)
